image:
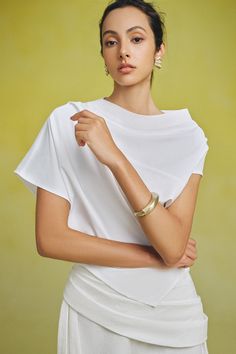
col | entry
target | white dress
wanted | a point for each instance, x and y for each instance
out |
(124, 310)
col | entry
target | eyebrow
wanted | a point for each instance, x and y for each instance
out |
(128, 30)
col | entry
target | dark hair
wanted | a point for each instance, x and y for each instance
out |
(155, 19)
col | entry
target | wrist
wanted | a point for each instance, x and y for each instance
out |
(118, 161)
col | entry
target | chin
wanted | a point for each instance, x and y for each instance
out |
(127, 80)
(127, 84)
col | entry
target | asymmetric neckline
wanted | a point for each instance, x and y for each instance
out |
(135, 121)
(133, 113)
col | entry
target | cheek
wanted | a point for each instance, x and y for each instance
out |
(147, 51)
(143, 53)
(108, 56)
(145, 60)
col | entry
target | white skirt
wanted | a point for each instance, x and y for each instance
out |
(95, 319)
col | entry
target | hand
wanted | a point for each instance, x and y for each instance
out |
(189, 256)
(187, 260)
(92, 130)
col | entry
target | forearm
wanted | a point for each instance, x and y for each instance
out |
(75, 246)
(163, 229)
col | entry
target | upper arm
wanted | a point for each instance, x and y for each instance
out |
(52, 213)
(184, 206)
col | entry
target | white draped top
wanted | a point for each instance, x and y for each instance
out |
(165, 150)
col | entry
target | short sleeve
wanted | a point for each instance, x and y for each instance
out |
(200, 166)
(40, 166)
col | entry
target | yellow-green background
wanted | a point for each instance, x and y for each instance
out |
(50, 55)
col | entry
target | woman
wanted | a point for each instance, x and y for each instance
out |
(122, 170)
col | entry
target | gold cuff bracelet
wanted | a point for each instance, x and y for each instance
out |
(149, 207)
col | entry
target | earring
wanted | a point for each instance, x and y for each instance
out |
(106, 70)
(158, 62)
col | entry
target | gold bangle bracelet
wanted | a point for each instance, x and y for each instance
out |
(149, 207)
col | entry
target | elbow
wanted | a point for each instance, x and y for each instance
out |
(50, 244)
(171, 261)
(42, 245)
(41, 250)
(176, 251)
(171, 258)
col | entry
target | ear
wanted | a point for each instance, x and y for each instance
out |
(161, 51)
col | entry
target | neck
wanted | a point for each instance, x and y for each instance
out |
(136, 98)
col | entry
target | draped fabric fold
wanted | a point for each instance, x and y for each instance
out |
(173, 323)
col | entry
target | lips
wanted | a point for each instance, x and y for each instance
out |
(125, 66)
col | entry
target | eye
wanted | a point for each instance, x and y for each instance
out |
(107, 43)
(138, 39)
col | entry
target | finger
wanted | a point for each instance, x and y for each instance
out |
(85, 120)
(80, 129)
(82, 120)
(84, 113)
(190, 251)
(87, 113)
(192, 241)
(192, 248)
(81, 126)
(75, 116)
(191, 254)
(82, 143)
(187, 262)
(80, 135)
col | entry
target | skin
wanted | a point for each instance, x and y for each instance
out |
(168, 229)
(131, 91)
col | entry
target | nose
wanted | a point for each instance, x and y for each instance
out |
(124, 52)
(124, 55)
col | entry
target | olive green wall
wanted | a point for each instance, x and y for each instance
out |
(50, 55)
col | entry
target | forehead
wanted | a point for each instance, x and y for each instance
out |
(123, 18)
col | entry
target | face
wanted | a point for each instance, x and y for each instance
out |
(124, 44)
